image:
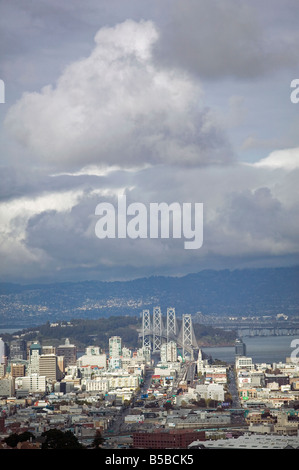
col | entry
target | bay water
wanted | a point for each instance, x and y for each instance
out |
(267, 349)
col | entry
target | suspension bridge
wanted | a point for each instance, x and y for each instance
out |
(155, 332)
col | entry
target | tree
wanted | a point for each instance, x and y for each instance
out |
(98, 440)
(26, 436)
(14, 439)
(56, 439)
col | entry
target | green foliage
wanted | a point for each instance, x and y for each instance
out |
(84, 333)
(208, 335)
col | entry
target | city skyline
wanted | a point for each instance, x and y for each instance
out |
(186, 102)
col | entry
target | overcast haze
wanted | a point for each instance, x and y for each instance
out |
(164, 101)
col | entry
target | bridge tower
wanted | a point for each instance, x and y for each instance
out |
(171, 325)
(188, 337)
(146, 329)
(157, 329)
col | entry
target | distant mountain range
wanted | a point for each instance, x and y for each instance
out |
(237, 292)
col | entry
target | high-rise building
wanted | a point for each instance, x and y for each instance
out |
(69, 351)
(115, 351)
(61, 365)
(163, 353)
(48, 366)
(115, 347)
(3, 352)
(240, 348)
(169, 352)
(34, 355)
(200, 362)
(18, 349)
(17, 370)
(3, 359)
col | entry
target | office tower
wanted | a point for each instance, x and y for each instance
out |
(18, 349)
(17, 370)
(3, 352)
(34, 355)
(69, 351)
(3, 358)
(61, 365)
(240, 348)
(48, 366)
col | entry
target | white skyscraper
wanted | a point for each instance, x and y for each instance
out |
(115, 347)
(2, 351)
(200, 363)
(115, 351)
(3, 361)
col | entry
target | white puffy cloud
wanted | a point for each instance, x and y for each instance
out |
(116, 107)
(287, 159)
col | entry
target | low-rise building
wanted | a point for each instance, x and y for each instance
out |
(172, 439)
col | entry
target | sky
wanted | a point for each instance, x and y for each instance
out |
(184, 101)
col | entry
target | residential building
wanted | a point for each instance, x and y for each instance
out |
(211, 391)
(115, 348)
(243, 362)
(169, 352)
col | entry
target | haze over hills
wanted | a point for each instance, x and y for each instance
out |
(239, 292)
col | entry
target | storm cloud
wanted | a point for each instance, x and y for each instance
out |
(163, 102)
